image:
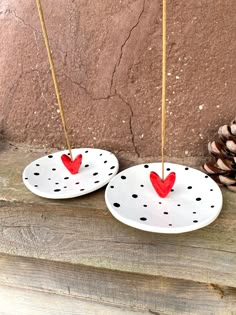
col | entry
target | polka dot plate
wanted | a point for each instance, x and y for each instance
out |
(48, 177)
(194, 202)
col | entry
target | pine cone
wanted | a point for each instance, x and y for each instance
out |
(223, 167)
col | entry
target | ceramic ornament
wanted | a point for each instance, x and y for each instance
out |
(162, 187)
(194, 201)
(183, 199)
(72, 166)
(69, 173)
(56, 177)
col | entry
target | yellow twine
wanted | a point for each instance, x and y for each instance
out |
(54, 77)
(163, 103)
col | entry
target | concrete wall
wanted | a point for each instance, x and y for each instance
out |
(108, 59)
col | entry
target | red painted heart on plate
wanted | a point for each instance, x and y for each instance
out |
(72, 166)
(162, 187)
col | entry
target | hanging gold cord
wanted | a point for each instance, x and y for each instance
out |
(50, 59)
(163, 102)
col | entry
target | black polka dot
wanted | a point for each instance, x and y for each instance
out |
(56, 183)
(97, 181)
(117, 205)
(178, 205)
(86, 165)
(159, 202)
(195, 221)
(37, 165)
(168, 169)
(49, 178)
(36, 174)
(145, 206)
(206, 176)
(35, 185)
(82, 189)
(112, 168)
(95, 174)
(135, 196)
(123, 177)
(57, 190)
(112, 187)
(26, 178)
(172, 190)
(211, 189)
(68, 153)
(141, 185)
(198, 199)
(54, 169)
(110, 174)
(212, 206)
(194, 212)
(186, 168)
(170, 224)
(50, 156)
(86, 151)
(66, 177)
(143, 219)
(190, 187)
(100, 154)
(77, 183)
(146, 166)
(165, 212)
(65, 186)
(105, 162)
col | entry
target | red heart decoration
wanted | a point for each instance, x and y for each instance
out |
(162, 187)
(72, 166)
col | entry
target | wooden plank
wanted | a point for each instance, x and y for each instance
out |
(94, 238)
(148, 294)
(24, 302)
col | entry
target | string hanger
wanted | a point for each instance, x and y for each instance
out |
(54, 77)
(163, 101)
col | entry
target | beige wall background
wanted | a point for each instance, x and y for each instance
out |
(108, 59)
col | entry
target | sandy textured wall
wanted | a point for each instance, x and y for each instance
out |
(108, 59)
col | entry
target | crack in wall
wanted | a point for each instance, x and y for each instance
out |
(35, 31)
(123, 46)
(130, 123)
(107, 98)
(86, 91)
(23, 21)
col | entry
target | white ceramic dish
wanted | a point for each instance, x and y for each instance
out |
(48, 177)
(194, 202)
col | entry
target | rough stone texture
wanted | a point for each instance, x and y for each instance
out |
(108, 59)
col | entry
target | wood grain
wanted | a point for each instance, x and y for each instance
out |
(94, 238)
(24, 302)
(134, 292)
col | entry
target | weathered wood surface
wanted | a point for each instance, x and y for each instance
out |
(87, 256)
(16, 301)
(134, 292)
(83, 235)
